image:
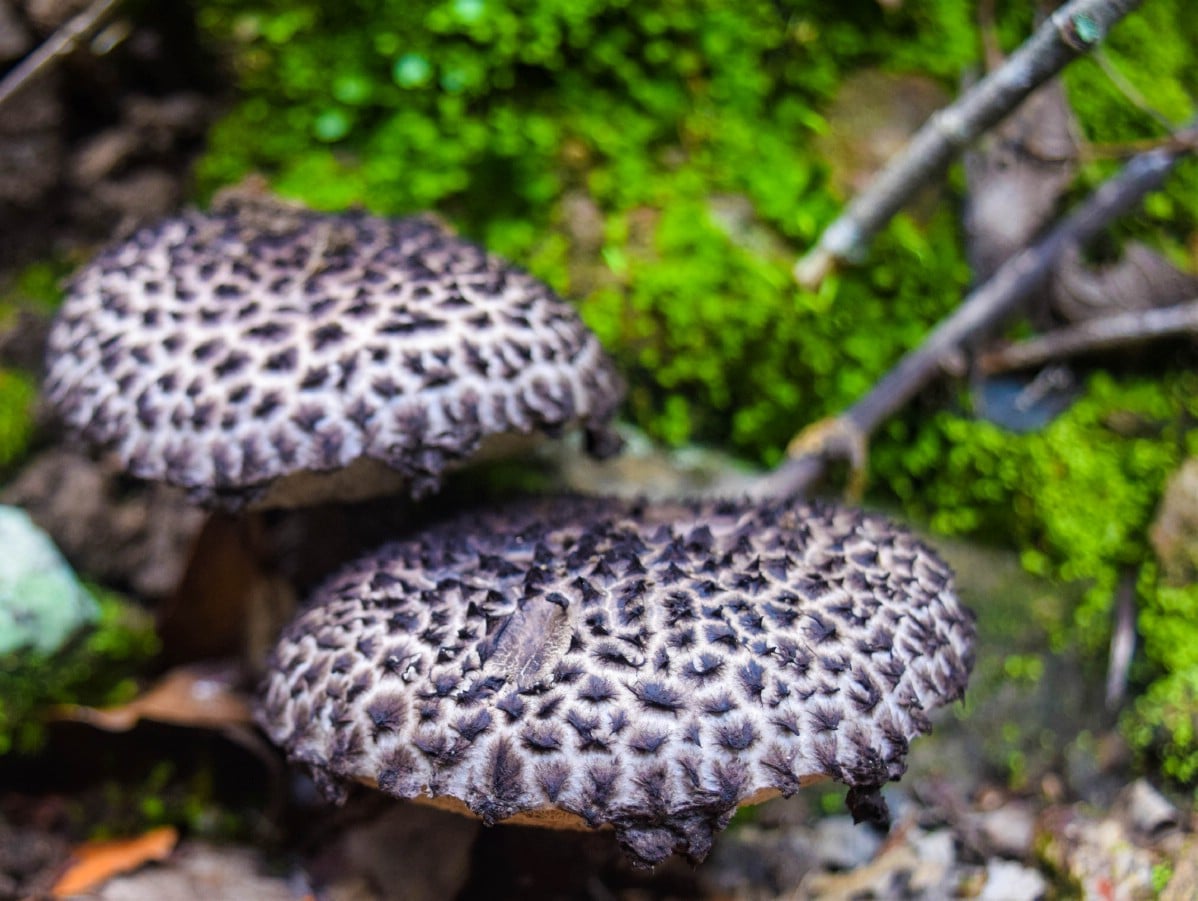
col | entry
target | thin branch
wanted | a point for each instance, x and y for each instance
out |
(981, 311)
(1122, 150)
(1130, 92)
(55, 47)
(1075, 28)
(1123, 642)
(1104, 333)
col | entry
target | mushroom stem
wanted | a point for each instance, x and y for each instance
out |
(232, 600)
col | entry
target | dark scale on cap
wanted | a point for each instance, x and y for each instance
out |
(658, 723)
(369, 326)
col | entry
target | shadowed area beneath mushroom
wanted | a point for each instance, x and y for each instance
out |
(645, 667)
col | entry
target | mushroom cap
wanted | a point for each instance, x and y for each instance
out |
(650, 668)
(222, 351)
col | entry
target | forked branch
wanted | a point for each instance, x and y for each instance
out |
(76, 30)
(981, 310)
(1075, 28)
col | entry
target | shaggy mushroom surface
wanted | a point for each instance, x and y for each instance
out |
(647, 667)
(222, 351)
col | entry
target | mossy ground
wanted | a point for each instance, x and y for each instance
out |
(35, 288)
(96, 667)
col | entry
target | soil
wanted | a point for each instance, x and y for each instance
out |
(102, 140)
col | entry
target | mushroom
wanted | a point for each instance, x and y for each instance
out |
(261, 355)
(269, 355)
(592, 662)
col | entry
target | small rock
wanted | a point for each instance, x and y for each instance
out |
(199, 872)
(1006, 880)
(1008, 831)
(751, 860)
(583, 221)
(839, 844)
(736, 217)
(644, 469)
(1146, 812)
(1097, 855)
(919, 864)
(937, 848)
(410, 851)
(42, 604)
(163, 119)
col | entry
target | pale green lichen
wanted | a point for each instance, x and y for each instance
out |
(42, 603)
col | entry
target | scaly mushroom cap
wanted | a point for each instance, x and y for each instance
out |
(650, 668)
(222, 351)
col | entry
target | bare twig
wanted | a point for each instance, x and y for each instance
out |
(981, 310)
(1130, 92)
(1075, 28)
(1106, 333)
(58, 45)
(1121, 150)
(1123, 642)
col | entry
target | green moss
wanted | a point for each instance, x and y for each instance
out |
(97, 668)
(494, 111)
(1152, 51)
(36, 288)
(17, 395)
(1076, 497)
(1164, 721)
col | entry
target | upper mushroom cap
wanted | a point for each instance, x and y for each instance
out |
(645, 667)
(221, 351)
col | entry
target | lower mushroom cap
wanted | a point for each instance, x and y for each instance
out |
(650, 668)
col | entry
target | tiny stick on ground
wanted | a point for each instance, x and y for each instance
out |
(57, 46)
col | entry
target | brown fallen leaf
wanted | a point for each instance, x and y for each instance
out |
(199, 696)
(94, 863)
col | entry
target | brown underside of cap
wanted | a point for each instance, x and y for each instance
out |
(555, 818)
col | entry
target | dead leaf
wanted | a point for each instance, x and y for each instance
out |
(1016, 177)
(199, 696)
(94, 863)
(1140, 280)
